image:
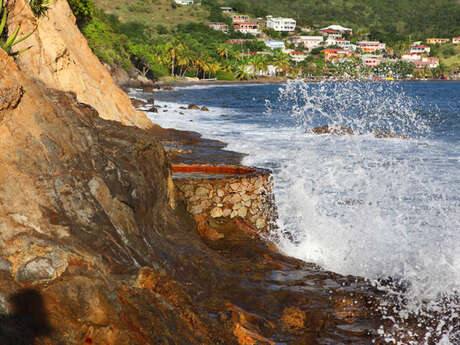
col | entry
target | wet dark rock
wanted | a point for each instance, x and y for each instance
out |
(151, 100)
(203, 108)
(386, 134)
(138, 103)
(153, 110)
(331, 130)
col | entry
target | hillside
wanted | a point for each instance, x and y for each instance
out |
(153, 13)
(419, 19)
(391, 18)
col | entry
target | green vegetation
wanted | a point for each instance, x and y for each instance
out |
(40, 7)
(449, 55)
(8, 43)
(83, 10)
(388, 20)
(159, 38)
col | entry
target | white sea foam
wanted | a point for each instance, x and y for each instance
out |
(357, 204)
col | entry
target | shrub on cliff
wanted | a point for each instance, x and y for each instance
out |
(83, 10)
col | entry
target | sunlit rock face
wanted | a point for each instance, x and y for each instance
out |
(59, 57)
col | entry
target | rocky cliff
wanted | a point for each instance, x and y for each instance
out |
(96, 248)
(60, 57)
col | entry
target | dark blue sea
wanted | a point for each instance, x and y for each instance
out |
(355, 204)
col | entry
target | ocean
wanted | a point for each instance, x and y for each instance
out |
(356, 204)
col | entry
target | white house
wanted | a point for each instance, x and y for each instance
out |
(296, 56)
(226, 9)
(411, 57)
(455, 40)
(272, 44)
(420, 49)
(371, 46)
(340, 42)
(184, 2)
(281, 24)
(371, 60)
(247, 28)
(337, 28)
(308, 42)
(218, 26)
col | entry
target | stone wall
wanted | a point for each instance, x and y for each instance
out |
(228, 191)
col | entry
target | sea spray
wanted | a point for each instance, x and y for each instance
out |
(385, 209)
(378, 208)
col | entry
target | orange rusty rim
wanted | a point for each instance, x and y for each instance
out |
(211, 169)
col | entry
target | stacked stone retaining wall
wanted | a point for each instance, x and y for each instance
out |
(236, 192)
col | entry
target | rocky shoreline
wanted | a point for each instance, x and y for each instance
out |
(96, 243)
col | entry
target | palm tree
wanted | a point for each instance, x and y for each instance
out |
(241, 72)
(281, 61)
(223, 51)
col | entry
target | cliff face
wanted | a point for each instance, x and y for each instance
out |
(60, 57)
(86, 226)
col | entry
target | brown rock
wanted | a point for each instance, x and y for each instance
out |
(10, 97)
(137, 102)
(293, 318)
(327, 130)
(60, 58)
(193, 107)
(203, 108)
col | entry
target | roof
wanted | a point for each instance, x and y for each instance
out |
(423, 46)
(245, 23)
(336, 28)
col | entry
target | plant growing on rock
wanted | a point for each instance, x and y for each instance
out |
(40, 7)
(8, 43)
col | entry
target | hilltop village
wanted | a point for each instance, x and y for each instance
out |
(348, 55)
(174, 40)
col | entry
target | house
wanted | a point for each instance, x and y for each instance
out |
(340, 42)
(420, 49)
(410, 57)
(371, 46)
(456, 40)
(272, 44)
(331, 33)
(218, 26)
(437, 40)
(184, 2)
(239, 18)
(247, 28)
(226, 9)
(335, 54)
(337, 28)
(270, 71)
(240, 41)
(308, 42)
(371, 60)
(296, 56)
(426, 62)
(281, 24)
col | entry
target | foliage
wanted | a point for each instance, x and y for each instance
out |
(40, 7)
(106, 42)
(83, 10)
(389, 19)
(225, 75)
(12, 40)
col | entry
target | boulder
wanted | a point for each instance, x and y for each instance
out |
(204, 109)
(193, 107)
(137, 102)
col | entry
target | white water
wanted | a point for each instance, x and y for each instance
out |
(357, 204)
